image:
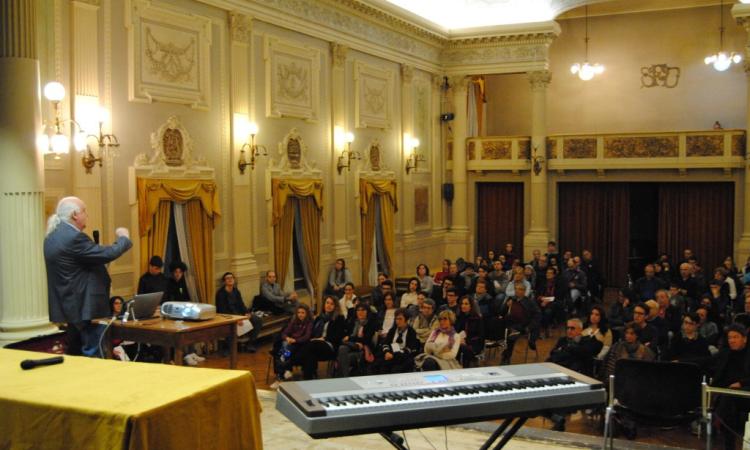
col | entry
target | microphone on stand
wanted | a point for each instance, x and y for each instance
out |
(27, 364)
(96, 236)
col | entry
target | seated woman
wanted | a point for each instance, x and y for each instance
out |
(441, 348)
(628, 348)
(426, 321)
(327, 332)
(549, 296)
(444, 271)
(409, 298)
(387, 315)
(470, 329)
(426, 282)
(337, 279)
(599, 330)
(400, 344)
(287, 350)
(355, 348)
(348, 300)
(229, 301)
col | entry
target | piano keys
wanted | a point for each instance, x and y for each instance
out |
(378, 403)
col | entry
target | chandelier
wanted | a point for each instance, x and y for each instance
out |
(722, 60)
(586, 71)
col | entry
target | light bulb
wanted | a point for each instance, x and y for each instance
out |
(349, 137)
(60, 144)
(722, 62)
(586, 73)
(575, 68)
(736, 58)
(79, 141)
(414, 143)
(103, 115)
(252, 128)
(54, 91)
(42, 143)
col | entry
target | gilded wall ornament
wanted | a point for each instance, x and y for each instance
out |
(579, 148)
(738, 145)
(338, 54)
(292, 82)
(496, 149)
(539, 79)
(641, 147)
(375, 156)
(660, 75)
(552, 148)
(240, 27)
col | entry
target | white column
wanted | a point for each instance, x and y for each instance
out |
(343, 181)
(23, 286)
(458, 239)
(538, 232)
(242, 259)
(741, 13)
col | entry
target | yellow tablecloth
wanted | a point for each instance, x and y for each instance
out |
(87, 403)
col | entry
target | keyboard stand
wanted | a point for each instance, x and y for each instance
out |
(508, 434)
(398, 442)
(394, 439)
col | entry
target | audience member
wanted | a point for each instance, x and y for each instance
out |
(177, 290)
(154, 279)
(598, 329)
(425, 322)
(327, 332)
(441, 347)
(355, 349)
(733, 372)
(444, 271)
(398, 348)
(576, 351)
(628, 348)
(520, 314)
(409, 298)
(647, 335)
(690, 346)
(229, 300)
(347, 300)
(647, 285)
(337, 278)
(293, 338)
(470, 329)
(387, 314)
(273, 298)
(426, 282)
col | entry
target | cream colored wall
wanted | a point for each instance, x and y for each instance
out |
(210, 129)
(615, 102)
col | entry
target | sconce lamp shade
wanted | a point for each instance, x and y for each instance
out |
(54, 91)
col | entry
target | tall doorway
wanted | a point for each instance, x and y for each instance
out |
(499, 217)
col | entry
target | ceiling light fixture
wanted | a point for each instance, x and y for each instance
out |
(722, 60)
(586, 71)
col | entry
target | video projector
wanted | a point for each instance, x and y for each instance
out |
(188, 311)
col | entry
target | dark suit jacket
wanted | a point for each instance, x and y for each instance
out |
(77, 279)
(410, 345)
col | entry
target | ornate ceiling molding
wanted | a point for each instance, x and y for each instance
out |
(240, 27)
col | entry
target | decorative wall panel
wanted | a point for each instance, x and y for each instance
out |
(579, 148)
(524, 148)
(552, 148)
(421, 205)
(292, 79)
(373, 96)
(705, 145)
(641, 147)
(169, 55)
(738, 145)
(496, 150)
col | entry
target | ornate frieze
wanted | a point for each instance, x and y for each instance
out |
(641, 147)
(738, 145)
(524, 148)
(240, 27)
(338, 54)
(539, 79)
(579, 148)
(499, 149)
(552, 148)
(710, 145)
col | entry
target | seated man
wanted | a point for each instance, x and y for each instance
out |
(575, 351)
(518, 314)
(177, 290)
(424, 322)
(272, 298)
(229, 301)
(154, 280)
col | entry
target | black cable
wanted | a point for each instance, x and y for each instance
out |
(425, 438)
(406, 441)
(445, 430)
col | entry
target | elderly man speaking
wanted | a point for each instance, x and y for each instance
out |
(77, 279)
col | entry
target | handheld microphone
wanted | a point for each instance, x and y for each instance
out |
(27, 364)
(95, 233)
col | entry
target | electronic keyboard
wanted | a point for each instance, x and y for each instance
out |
(383, 403)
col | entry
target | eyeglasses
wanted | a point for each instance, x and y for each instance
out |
(638, 313)
(688, 322)
(571, 328)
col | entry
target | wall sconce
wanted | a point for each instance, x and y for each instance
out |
(536, 162)
(414, 158)
(103, 141)
(254, 149)
(59, 143)
(347, 155)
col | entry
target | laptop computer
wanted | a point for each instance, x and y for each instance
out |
(143, 306)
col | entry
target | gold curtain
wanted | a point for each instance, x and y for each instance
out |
(479, 102)
(155, 240)
(282, 189)
(200, 229)
(310, 218)
(153, 191)
(282, 241)
(386, 189)
(368, 238)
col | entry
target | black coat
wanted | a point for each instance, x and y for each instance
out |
(77, 279)
(578, 356)
(410, 345)
(230, 303)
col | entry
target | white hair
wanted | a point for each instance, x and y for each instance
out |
(66, 207)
